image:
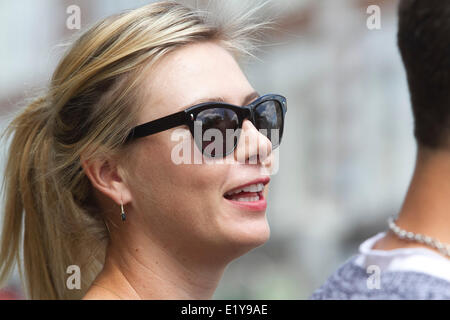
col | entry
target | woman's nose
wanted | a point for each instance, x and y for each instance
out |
(253, 146)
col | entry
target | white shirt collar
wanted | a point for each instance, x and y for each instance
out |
(403, 259)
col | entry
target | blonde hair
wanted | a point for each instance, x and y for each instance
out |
(51, 218)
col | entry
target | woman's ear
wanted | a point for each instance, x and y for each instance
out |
(105, 176)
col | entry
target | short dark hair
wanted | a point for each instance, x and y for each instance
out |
(424, 43)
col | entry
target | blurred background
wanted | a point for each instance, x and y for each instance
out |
(348, 150)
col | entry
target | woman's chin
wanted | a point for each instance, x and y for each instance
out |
(248, 236)
(241, 230)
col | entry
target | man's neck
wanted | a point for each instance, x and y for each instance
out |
(426, 209)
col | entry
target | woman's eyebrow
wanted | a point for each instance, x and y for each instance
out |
(250, 97)
(210, 99)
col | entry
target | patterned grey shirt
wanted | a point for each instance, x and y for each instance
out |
(349, 282)
(404, 273)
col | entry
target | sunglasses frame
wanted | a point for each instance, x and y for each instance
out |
(189, 115)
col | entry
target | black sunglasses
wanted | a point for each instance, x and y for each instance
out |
(266, 113)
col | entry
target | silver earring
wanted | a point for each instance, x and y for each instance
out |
(122, 215)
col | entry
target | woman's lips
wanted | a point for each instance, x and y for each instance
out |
(249, 195)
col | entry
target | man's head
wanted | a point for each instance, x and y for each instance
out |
(424, 43)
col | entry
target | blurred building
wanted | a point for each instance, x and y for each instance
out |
(348, 150)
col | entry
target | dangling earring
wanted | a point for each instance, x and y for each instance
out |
(122, 215)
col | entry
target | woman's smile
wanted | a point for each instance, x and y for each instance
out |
(249, 196)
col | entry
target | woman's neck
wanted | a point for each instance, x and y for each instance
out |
(149, 272)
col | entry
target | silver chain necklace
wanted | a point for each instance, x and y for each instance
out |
(417, 237)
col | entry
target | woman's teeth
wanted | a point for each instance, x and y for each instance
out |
(254, 188)
(257, 187)
(248, 199)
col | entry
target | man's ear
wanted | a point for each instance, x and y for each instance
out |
(106, 177)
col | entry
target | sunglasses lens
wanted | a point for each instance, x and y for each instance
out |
(269, 120)
(216, 123)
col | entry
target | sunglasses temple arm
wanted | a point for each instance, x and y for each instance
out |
(155, 126)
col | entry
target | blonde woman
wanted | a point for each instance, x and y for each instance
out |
(91, 179)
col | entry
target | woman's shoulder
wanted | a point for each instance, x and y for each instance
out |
(99, 293)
